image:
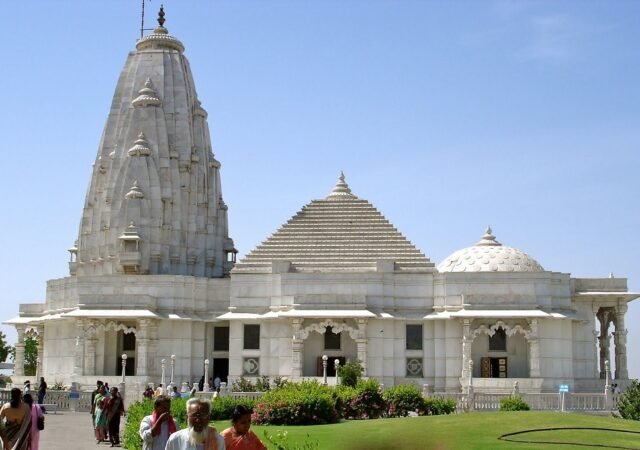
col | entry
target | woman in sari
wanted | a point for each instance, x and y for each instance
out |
(239, 436)
(36, 413)
(114, 408)
(100, 424)
(16, 420)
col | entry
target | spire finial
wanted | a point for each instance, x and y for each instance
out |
(488, 238)
(341, 189)
(161, 16)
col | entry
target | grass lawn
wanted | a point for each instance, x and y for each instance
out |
(463, 431)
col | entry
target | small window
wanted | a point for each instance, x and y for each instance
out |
(252, 337)
(331, 339)
(498, 342)
(414, 337)
(221, 339)
(128, 341)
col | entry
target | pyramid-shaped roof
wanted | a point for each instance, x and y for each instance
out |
(339, 233)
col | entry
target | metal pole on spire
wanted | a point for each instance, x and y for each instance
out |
(142, 21)
(142, 28)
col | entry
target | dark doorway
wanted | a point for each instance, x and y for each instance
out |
(331, 368)
(493, 367)
(221, 368)
(130, 370)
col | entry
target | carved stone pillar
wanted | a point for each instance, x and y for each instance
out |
(152, 356)
(534, 350)
(467, 342)
(39, 332)
(297, 348)
(604, 317)
(19, 360)
(361, 344)
(620, 341)
(90, 344)
(142, 342)
(78, 367)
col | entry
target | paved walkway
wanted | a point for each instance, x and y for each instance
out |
(70, 431)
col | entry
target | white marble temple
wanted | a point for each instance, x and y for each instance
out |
(153, 274)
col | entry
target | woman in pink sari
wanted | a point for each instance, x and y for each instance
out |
(36, 413)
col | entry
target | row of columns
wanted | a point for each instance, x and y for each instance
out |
(606, 316)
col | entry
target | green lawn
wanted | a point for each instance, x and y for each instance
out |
(463, 431)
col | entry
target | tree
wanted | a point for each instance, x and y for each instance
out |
(30, 355)
(629, 402)
(5, 349)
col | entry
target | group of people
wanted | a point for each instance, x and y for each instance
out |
(21, 421)
(107, 407)
(159, 432)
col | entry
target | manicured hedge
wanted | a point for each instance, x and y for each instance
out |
(402, 399)
(222, 407)
(305, 403)
(362, 402)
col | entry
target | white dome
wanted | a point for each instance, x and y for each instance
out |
(489, 255)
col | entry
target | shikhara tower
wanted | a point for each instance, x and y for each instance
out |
(149, 271)
(153, 278)
(154, 203)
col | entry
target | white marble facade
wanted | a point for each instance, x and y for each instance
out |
(153, 274)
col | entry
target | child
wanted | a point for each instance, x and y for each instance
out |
(238, 436)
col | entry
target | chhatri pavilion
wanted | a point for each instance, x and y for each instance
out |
(153, 276)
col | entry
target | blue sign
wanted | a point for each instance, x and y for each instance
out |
(564, 388)
(74, 395)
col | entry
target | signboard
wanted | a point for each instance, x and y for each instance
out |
(74, 395)
(564, 388)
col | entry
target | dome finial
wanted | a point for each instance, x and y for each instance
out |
(161, 20)
(488, 238)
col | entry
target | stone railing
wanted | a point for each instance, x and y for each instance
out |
(249, 395)
(536, 401)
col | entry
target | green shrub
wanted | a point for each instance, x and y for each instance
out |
(367, 403)
(263, 384)
(243, 385)
(435, 406)
(279, 381)
(137, 411)
(629, 402)
(305, 403)
(402, 399)
(222, 406)
(179, 411)
(344, 395)
(513, 403)
(350, 373)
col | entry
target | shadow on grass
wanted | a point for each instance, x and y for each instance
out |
(509, 437)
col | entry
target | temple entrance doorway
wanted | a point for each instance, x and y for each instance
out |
(493, 367)
(221, 368)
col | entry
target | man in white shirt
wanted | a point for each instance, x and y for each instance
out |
(156, 428)
(199, 436)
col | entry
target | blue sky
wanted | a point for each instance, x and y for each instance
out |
(447, 116)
